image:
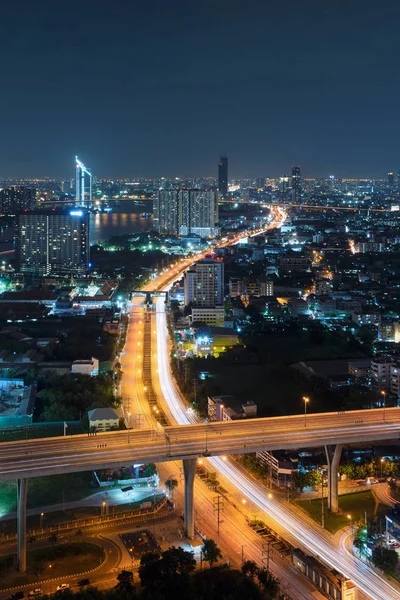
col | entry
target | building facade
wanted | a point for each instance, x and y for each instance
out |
(16, 199)
(186, 212)
(204, 284)
(52, 242)
(223, 176)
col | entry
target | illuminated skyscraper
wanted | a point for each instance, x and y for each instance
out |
(223, 176)
(52, 242)
(16, 199)
(198, 212)
(166, 212)
(390, 179)
(185, 212)
(296, 184)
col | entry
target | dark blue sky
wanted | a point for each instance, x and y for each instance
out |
(159, 87)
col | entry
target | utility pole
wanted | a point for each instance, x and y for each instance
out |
(266, 553)
(218, 504)
(322, 502)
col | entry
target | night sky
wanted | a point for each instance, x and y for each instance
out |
(157, 87)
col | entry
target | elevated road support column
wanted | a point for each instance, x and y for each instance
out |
(189, 471)
(333, 455)
(22, 490)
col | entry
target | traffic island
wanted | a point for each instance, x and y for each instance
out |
(355, 506)
(49, 563)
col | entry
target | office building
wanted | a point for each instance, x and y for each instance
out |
(186, 212)
(390, 179)
(52, 242)
(166, 212)
(296, 184)
(16, 199)
(204, 284)
(223, 176)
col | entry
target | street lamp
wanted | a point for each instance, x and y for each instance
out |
(382, 461)
(41, 522)
(306, 400)
(383, 393)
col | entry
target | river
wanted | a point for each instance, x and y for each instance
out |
(124, 218)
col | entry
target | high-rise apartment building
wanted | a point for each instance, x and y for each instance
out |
(186, 211)
(390, 179)
(166, 213)
(52, 242)
(204, 284)
(16, 199)
(223, 176)
(296, 184)
(198, 211)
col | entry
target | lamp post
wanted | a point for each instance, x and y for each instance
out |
(129, 426)
(382, 461)
(243, 546)
(383, 392)
(41, 522)
(306, 400)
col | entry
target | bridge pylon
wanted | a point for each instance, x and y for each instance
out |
(189, 472)
(22, 492)
(333, 455)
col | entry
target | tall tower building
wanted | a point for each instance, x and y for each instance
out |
(185, 212)
(204, 284)
(223, 176)
(198, 211)
(390, 179)
(296, 184)
(16, 199)
(166, 212)
(52, 242)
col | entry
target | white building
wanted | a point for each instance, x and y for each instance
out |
(204, 284)
(213, 316)
(86, 367)
(103, 419)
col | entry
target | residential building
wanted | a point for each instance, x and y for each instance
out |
(103, 419)
(198, 212)
(86, 367)
(186, 212)
(280, 466)
(52, 242)
(323, 287)
(223, 176)
(293, 264)
(250, 287)
(227, 408)
(213, 316)
(395, 379)
(360, 368)
(380, 371)
(166, 212)
(16, 199)
(367, 318)
(204, 283)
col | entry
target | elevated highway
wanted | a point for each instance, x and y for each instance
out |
(51, 456)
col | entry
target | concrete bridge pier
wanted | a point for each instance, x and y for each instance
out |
(22, 491)
(333, 455)
(189, 471)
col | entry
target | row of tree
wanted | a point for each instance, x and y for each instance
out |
(172, 574)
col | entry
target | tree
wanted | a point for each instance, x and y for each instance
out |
(177, 561)
(125, 585)
(250, 569)
(269, 583)
(150, 569)
(385, 559)
(150, 470)
(171, 484)
(211, 552)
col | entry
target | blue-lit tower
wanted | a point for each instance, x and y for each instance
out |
(82, 174)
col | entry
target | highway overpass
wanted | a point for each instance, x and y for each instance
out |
(22, 460)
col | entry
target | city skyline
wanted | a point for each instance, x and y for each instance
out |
(269, 86)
